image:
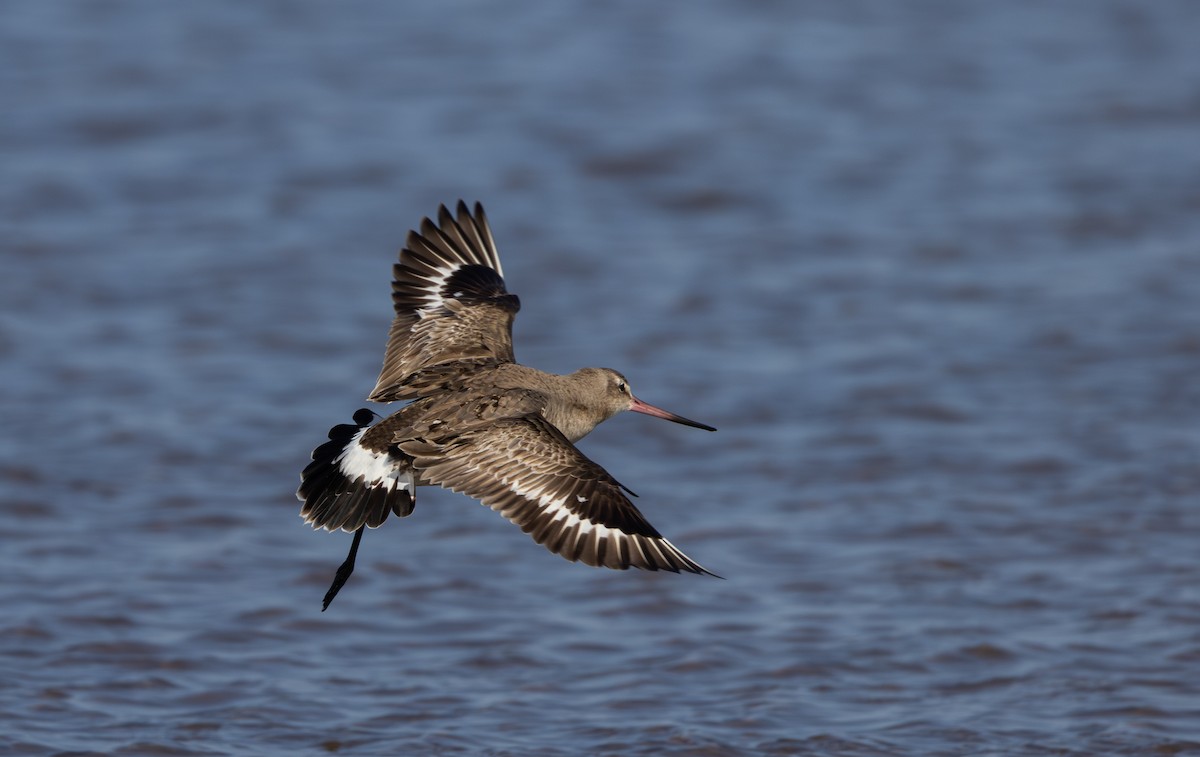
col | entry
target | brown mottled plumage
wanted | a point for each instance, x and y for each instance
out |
(478, 422)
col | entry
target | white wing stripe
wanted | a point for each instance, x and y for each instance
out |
(432, 295)
(563, 515)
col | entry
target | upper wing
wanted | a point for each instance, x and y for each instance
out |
(525, 469)
(450, 301)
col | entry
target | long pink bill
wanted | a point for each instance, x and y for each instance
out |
(638, 406)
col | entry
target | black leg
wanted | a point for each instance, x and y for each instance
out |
(344, 571)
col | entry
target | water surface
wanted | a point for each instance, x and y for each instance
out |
(932, 270)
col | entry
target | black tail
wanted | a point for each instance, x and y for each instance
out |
(337, 496)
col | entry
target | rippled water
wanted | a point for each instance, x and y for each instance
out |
(932, 268)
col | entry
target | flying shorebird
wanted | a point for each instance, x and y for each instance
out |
(479, 422)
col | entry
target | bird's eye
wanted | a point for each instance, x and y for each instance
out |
(622, 388)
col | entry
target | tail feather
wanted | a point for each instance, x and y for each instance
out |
(348, 485)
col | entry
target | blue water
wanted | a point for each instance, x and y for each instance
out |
(932, 268)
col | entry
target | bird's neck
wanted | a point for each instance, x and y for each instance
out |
(568, 410)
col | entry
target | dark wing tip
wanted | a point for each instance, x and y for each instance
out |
(428, 228)
(480, 216)
(462, 211)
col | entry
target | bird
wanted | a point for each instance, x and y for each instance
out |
(477, 421)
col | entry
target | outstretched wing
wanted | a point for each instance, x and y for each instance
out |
(526, 470)
(450, 301)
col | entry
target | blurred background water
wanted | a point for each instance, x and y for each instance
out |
(932, 268)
